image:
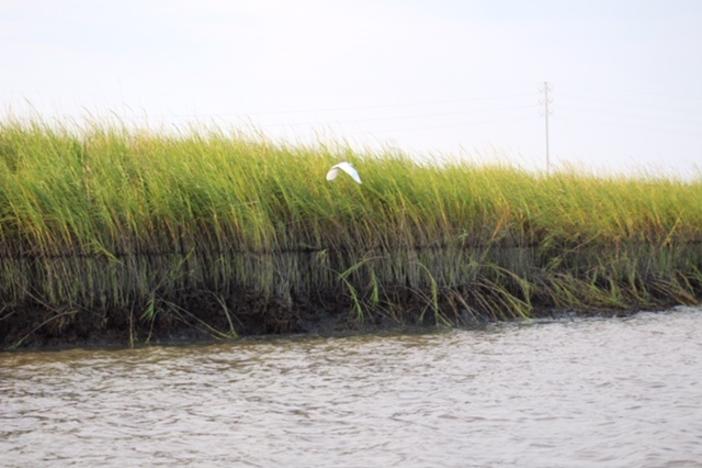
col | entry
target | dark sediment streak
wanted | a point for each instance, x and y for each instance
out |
(130, 299)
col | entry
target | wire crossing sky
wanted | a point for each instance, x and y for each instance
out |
(457, 78)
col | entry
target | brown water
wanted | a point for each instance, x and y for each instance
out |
(584, 392)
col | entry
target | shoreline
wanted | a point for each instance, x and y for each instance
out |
(130, 235)
(325, 326)
(498, 284)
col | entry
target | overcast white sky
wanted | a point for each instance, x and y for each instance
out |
(456, 77)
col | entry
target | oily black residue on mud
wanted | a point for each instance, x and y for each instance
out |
(206, 322)
(198, 320)
(60, 302)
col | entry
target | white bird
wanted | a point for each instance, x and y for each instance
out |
(347, 168)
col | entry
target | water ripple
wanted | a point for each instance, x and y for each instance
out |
(614, 392)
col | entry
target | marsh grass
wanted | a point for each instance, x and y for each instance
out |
(104, 220)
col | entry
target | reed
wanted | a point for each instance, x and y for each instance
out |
(105, 225)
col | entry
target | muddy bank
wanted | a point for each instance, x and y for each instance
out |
(72, 301)
(198, 321)
(132, 236)
(205, 322)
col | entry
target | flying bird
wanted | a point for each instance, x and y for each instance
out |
(345, 167)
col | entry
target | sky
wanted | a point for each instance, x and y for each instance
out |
(438, 79)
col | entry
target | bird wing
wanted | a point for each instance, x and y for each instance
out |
(350, 170)
(333, 172)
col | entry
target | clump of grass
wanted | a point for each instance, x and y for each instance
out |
(106, 218)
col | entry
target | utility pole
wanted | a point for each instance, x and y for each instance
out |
(547, 101)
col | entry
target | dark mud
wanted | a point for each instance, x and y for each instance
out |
(36, 326)
(33, 327)
(68, 302)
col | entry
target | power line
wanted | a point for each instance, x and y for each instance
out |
(450, 125)
(392, 118)
(631, 110)
(456, 100)
(612, 122)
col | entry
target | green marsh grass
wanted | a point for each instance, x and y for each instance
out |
(103, 221)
